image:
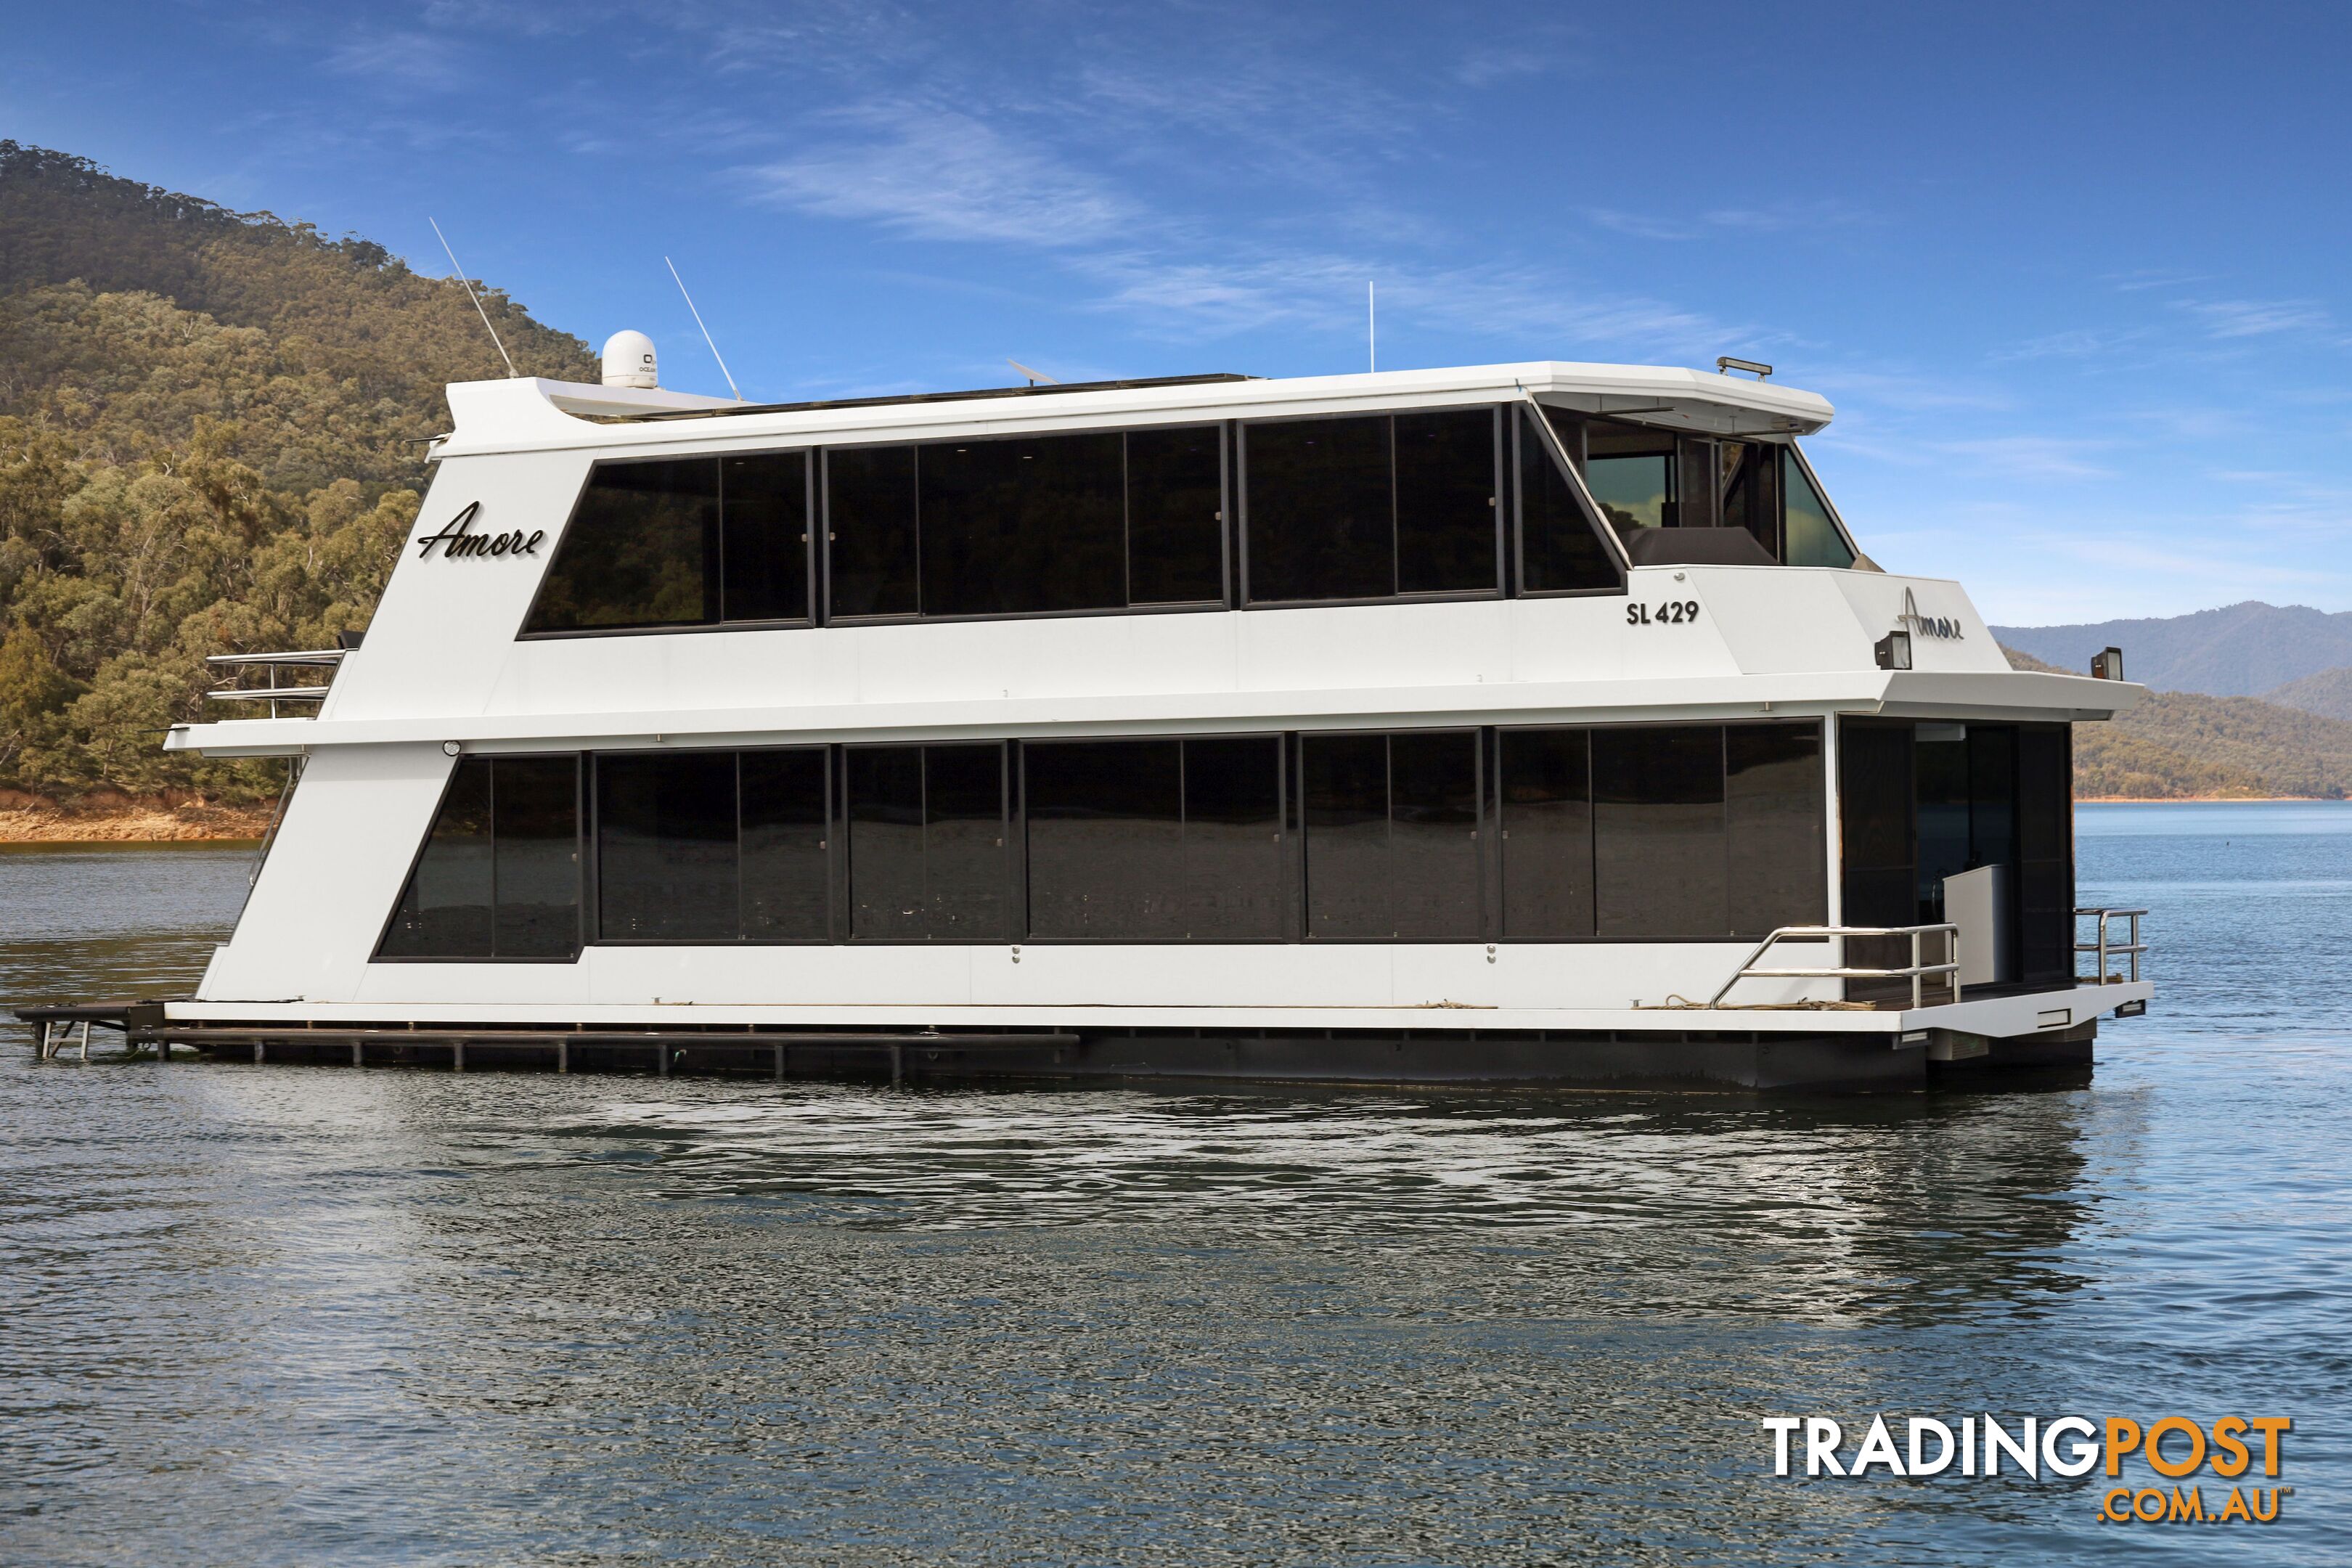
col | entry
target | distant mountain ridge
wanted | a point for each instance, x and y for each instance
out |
(2179, 745)
(2240, 651)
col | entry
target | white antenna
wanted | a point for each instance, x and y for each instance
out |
(705, 331)
(1035, 375)
(1371, 329)
(477, 298)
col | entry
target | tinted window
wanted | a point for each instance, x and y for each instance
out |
(2045, 842)
(1774, 818)
(1320, 508)
(444, 910)
(535, 815)
(871, 531)
(1391, 836)
(1810, 538)
(782, 830)
(1367, 508)
(1433, 836)
(1875, 805)
(666, 850)
(1175, 516)
(1658, 831)
(1445, 501)
(1107, 839)
(1236, 889)
(641, 550)
(765, 537)
(927, 842)
(885, 842)
(1023, 526)
(1631, 472)
(1546, 792)
(499, 876)
(1558, 549)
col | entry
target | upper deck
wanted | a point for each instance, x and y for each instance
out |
(595, 565)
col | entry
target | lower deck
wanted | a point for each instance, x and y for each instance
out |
(1846, 1049)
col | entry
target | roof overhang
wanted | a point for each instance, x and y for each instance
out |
(536, 415)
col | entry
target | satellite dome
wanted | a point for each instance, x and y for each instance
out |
(629, 361)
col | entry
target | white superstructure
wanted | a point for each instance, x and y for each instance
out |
(552, 603)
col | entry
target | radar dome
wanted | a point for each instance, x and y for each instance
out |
(629, 361)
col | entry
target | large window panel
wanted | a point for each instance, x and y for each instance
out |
(1320, 510)
(1775, 805)
(786, 885)
(1175, 516)
(666, 848)
(927, 858)
(1235, 886)
(1561, 549)
(765, 529)
(1105, 839)
(1445, 502)
(964, 862)
(641, 550)
(1546, 792)
(1809, 536)
(871, 526)
(1433, 836)
(535, 821)
(1347, 800)
(1658, 831)
(1023, 526)
(446, 910)
(2045, 845)
(1392, 836)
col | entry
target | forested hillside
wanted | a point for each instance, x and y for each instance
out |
(207, 428)
(2181, 744)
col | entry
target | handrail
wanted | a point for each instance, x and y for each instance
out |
(307, 659)
(2129, 950)
(326, 658)
(1917, 972)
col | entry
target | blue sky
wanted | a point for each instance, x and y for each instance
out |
(2074, 275)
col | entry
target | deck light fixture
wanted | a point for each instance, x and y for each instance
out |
(1726, 362)
(2108, 664)
(1894, 651)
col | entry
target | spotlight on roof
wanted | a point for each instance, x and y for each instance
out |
(1726, 363)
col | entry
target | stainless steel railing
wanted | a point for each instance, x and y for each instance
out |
(274, 694)
(2107, 949)
(1917, 971)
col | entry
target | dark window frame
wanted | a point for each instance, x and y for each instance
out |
(1830, 826)
(1238, 493)
(591, 858)
(1008, 816)
(1292, 839)
(1610, 544)
(821, 531)
(1481, 831)
(579, 850)
(1837, 520)
(810, 588)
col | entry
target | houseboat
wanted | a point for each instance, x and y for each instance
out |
(1537, 723)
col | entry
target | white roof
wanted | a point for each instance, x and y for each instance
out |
(531, 414)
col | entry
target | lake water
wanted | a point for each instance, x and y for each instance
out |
(302, 1315)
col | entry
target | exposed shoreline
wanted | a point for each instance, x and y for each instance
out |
(33, 821)
(2204, 799)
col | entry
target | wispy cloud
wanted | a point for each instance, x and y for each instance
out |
(2074, 343)
(942, 174)
(415, 61)
(2257, 318)
(2031, 456)
(1774, 218)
